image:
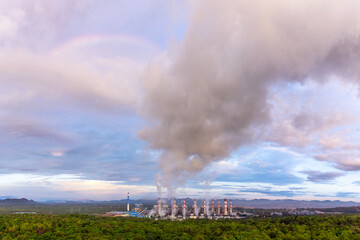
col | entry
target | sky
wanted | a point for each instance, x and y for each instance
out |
(185, 98)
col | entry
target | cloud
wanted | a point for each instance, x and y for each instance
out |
(22, 129)
(317, 120)
(52, 78)
(98, 152)
(209, 94)
(261, 175)
(69, 88)
(10, 22)
(37, 24)
(342, 159)
(303, 113)
(259, 164)
(67, 187)
(74, 76)
(316, 176)
(59, 98)
(270, 192)
(347, 194)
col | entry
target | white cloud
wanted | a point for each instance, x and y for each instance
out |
(67, 186)
(57, 153)
(318, 120)
(10, 24)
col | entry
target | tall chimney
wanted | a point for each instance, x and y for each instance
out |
(219, 208)
(230, 206)
(195, 206)
(225, 206)
(159, 206)
(205, 207)
(212, 206)
(128, 204)
(184, 209)
(174, 207)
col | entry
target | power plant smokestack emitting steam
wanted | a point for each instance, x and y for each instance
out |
(128, 204)
(159, 206)
(174, 207)
(196, 212)
(225, 206)
(184, 209)
(228, 88)
(212, 206)
(195, 207)
(205, 213)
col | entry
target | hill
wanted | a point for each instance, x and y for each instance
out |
(16, 202)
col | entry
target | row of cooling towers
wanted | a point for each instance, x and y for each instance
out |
(204, 209)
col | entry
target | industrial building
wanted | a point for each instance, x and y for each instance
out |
(195, 211)
(137, 211)
(182, 209)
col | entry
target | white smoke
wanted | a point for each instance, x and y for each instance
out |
(163, 212)
(197, 210)
(158, 185)
(207, 213)
(152, 212)
(209, 95)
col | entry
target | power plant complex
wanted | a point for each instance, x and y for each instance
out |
(205, 209)
(182, 209)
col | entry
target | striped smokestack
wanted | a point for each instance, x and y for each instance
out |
(184, 208)
(225, 206)
(230, 206)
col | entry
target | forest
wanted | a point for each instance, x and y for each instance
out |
(82, 226)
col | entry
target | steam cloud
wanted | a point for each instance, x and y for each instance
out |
(209, 95)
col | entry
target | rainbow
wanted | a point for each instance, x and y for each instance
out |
(90, 40)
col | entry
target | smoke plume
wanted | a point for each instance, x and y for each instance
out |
(209, 95)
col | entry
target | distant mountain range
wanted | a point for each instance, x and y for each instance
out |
(292, 204)
(255, 203)
(267, 203)
(16, 201)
